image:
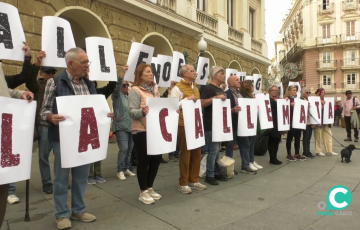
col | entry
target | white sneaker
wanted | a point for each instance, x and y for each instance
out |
(320, 154)
(252, 167)
(129, 173)
(332, 154)
(121, 176)
(13, 199)
(153, 194)
(256, 165)
(184, 189)
(146, 198)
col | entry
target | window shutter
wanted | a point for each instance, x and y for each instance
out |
(352, 28)
(324, 31)
(348, 29)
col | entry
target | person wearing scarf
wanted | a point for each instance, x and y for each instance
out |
(293, 133)
(323, 131)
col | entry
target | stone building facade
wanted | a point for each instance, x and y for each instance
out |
(234, 40)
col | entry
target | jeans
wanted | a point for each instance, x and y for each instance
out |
(125, 143)
(212, 168)
(348, 128)
(12, 189)
(247, 148)
(205, 148)
(337, 120)
(44, 152)
(95, 169)
(306, 138)
(79, 177)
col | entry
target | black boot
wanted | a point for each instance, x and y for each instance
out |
(274, 160)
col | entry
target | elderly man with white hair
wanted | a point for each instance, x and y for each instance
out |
(71, 82)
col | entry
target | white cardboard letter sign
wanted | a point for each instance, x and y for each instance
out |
(247, 123)
(57, 38)
(84, 135)
(203, 71)
(11, 33)
(315, 110)
(139, 53)
(162, 123)
(241, 75)
(16, 139)
(221, 121)
(300, 114)
(193, 124)
(177, 61)
(283, 114)
(101, 55)
(257, 83)
(329, 110)
(165, 72)
(265, 114)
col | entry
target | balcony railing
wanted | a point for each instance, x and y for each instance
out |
(209, 22)
(326, 8)
(327, 86)
(167, 5)
(349, 5)
(350, 37)
(350, 62)
(350, 85)
(235, 36)
(333, 39)
(256, 46)
(326, 65)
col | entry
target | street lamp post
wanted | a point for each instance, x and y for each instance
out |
(202, 45)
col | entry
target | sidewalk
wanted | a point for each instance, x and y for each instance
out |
(278, 197)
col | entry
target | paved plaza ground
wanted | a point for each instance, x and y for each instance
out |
(278, 197)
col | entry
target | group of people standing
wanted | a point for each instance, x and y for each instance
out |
(129, 125)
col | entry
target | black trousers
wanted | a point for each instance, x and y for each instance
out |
(148, 165)
(4, 191)
(348, 128)
(273, 147)
(296, 134)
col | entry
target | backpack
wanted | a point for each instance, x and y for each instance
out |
(357, 110)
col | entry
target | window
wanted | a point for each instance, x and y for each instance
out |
(251, 22)
(327, 59)
(350, 3)
(230, 17)
(326, 33)
(326, 81)
(350, 31)
(200, 4)
(351, 80)
(326, 4)
(350, 58)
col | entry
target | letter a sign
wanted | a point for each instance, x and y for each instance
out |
(16, 139)
(162, 123)
(193, 122)
(221, 121)
(84, 135)
(56, 39)
(101, 55)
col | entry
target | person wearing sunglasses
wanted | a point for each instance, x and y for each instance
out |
(307, 133)
(122, 126)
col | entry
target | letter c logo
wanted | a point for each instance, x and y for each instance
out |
(343, 195)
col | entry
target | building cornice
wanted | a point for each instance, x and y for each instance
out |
(291, 15)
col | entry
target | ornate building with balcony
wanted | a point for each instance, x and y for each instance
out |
(233, 29)
(323, 38)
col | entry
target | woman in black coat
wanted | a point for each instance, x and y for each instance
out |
(274, 135)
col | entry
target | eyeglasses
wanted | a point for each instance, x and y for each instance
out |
(125, 85)
(84, 62)
(308, 92)
(275, 90)
(50, 72)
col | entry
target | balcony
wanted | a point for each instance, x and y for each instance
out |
(235, 36)
(256, 46)
(328, 86)
(354, 37)
(326, 8)
(326, 65)
(349, 6)
(329, 40)
(168, 5)
(209, 22)
(350, 85)
(350, 63)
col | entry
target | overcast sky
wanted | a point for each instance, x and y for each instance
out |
(275, 11)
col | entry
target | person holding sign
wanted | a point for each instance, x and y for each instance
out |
(305, 93)
(323, 130)
(350, 104)
(72, 81)
(189, 164)
(148, 165)
(274, 135)
(122, 125)
(210, 92)
(6, 92)
(293, 133)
